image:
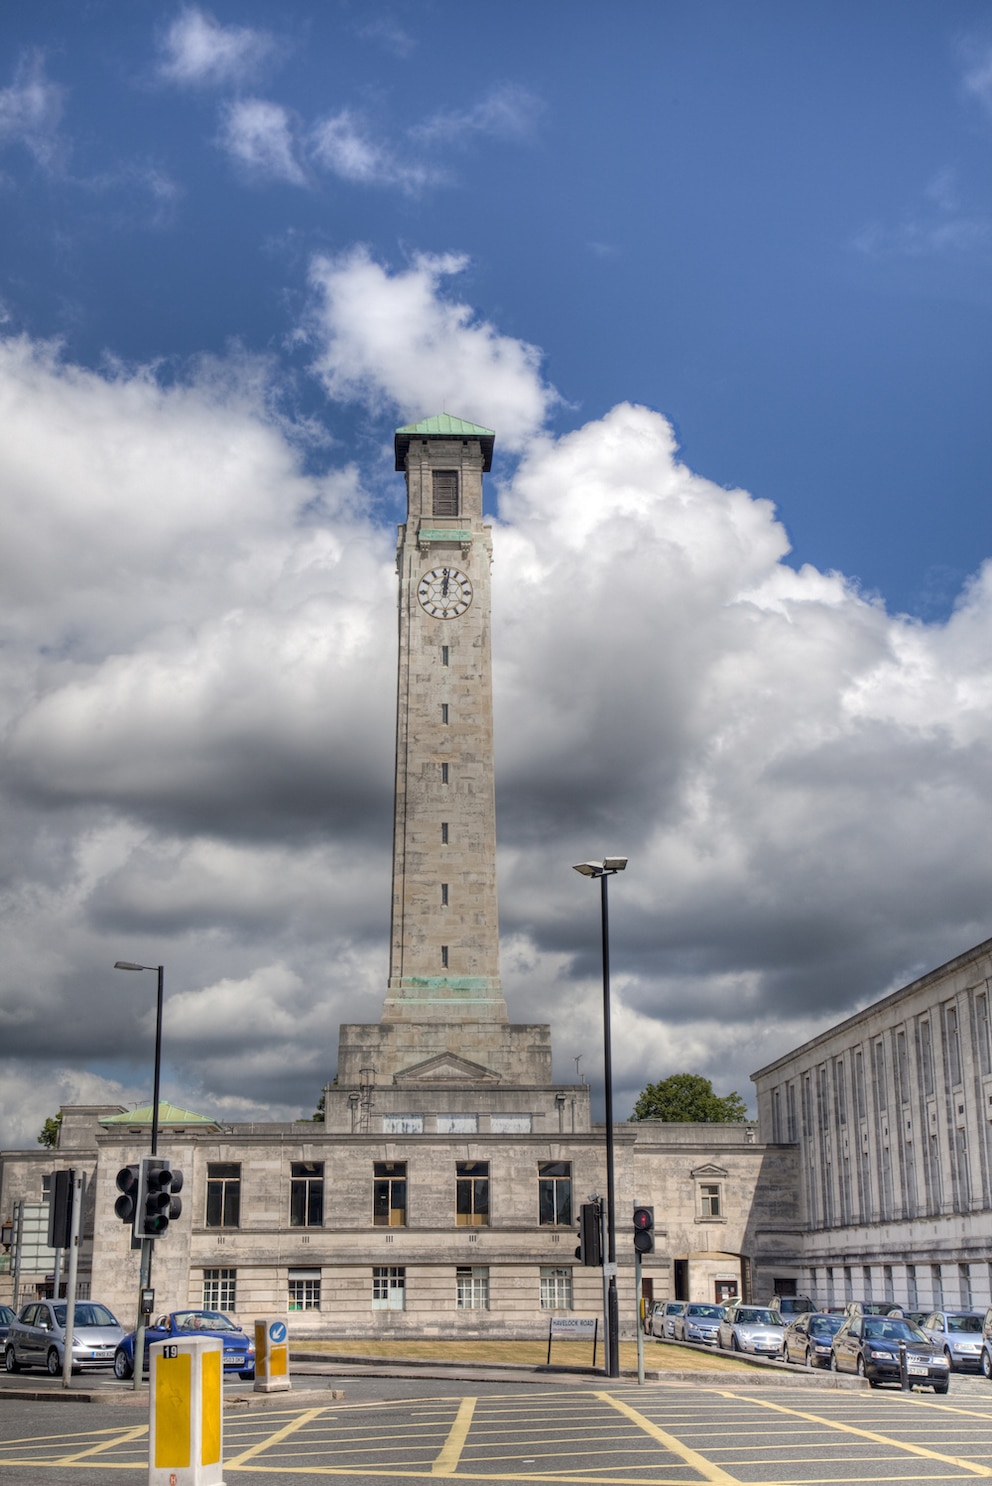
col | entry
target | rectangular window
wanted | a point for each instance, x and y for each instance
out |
(860, 1097)
(223, 1194)
(444, 655)
(403, 1124)
(304, 1289)
(220, 1290)
(953, 1041)
(389, 1194)
(388, 1287)
(937, 1287)
(878, 1073)
(444, 895)
(554, 1188)
(790, 1107)
(306, 1194)
(457, 1124)
(964, 1286)
(444, 833)
(926, 1057)
(444, 957)
(444, 712)
(511, 1124)
(709, 1199)
(472, 1194)
(982, 1032)
(556, 1288)
(445, 492)
(472, 1282)
(444, 773)
(902, 1067)
(911, 1292)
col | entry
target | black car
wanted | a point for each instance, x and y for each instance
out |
(869, 1346)
(808, 1338)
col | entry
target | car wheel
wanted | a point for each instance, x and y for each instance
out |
(54, 1363)
(986, 1364)
(833, 1362)
(734, 1343)
(941, 1387)
(862, 1373)
(122, 1365)
(810, 1359)
(10, 1361)
(247, 1376)
(947, 1359)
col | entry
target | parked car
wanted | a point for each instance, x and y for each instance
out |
(790, 1305)
(239, 1349)
(960, 1335)
(807, 1338)
(985, 1357)
(6, 1316)
(699, 1322)
(751, 1328)
(36, 1338)
(869, 1346)
(664, 1315)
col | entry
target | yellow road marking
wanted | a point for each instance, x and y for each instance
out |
(871, 1434)
(451, 1452)
(127, 1438)
(274, 1439)
(706, 1468)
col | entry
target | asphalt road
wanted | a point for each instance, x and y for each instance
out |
(663, 1434)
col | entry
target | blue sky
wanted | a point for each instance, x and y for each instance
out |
(733, 248)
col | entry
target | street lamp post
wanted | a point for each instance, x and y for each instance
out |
(605, 869)
(145, 1276)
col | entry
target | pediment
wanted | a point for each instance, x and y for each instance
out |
(446, 1068)
(701, 1173)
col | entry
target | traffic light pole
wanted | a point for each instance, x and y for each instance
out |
(144, 1279)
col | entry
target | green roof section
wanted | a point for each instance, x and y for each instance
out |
(168, 1114)
(443, 426)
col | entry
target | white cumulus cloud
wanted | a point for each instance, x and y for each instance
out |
(261, 138)
(197, 50)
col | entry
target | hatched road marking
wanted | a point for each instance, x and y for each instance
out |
(674, 1436)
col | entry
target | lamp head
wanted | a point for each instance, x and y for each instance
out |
(127, 965)
(600, 869)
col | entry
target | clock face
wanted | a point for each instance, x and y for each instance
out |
(444, 593)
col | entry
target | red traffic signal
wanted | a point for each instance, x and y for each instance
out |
(644, 1230)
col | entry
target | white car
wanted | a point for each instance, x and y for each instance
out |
(752, 1328)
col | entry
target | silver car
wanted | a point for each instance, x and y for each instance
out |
(699, 1322)
(960, 1335)
(752, 1328)
(664, 1315)
(37, 1337)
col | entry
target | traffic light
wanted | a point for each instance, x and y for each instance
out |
(157, 1204)
(60, 1209)
(590, 1250)
(128, 1180)
(644, 1230)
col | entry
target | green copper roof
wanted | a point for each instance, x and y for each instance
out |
(168, 1114)
(443, 426)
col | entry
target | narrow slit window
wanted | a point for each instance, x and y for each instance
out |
(444, 833)
(444, 895)
(444, 956)
(444, 655)
(444, 773)
(444, 712)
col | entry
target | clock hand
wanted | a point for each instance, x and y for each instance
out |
(444, 584)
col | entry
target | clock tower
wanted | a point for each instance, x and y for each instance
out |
(444, 1008)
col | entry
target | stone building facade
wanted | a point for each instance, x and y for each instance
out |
(440, 1194)
(890, 1114)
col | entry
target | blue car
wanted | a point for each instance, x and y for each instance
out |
(6, 1317)
(239, 1349)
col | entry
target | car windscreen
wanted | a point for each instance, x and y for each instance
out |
(826, 1325)
(878, 1328)
(203, 1321)
(716, 1311)
(754, 1315)
(964, 1323)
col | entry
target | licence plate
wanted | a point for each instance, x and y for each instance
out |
(235, 1362)
(917, 1372)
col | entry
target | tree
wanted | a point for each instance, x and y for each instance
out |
(689, 1097)
(49, 1132)
(318, 1115)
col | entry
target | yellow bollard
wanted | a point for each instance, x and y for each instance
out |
(185, 1431)
(271, 1355)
